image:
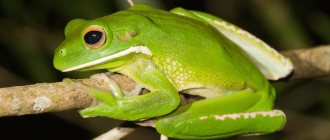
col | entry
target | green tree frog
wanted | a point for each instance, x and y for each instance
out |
(179, 51)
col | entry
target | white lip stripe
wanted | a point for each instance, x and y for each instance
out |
(133, 49)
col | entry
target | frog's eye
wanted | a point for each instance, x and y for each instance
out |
(94, 36)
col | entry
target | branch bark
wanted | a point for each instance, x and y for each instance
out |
(51, 97)
(309, 63)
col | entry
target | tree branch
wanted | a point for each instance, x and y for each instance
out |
(50, 97)
(309, 63)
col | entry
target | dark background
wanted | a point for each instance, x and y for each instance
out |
(31, 29)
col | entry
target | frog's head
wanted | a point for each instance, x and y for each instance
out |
(105, 43)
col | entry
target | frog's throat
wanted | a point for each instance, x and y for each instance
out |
(134, 49)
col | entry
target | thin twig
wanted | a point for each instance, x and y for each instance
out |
(118, 133)
(130, 2)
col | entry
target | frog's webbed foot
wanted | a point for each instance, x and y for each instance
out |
(221, 117)
(106, 100)
(225, 125)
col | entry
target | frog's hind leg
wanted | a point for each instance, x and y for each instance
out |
(220, 117)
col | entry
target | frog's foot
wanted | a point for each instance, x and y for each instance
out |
(105, 103)
(106, 100)
(112, 85)
(236, 114)
(220, 126)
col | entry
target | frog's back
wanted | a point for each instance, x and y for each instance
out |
(218, 67)
(193, 55)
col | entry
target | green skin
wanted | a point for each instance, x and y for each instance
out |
(184, 54)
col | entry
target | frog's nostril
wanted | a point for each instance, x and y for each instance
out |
(62, 51)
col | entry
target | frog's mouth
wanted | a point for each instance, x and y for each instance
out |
(134, 49)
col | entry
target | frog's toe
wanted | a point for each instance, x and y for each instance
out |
(104, 97)
(104, 103)
(111, 83)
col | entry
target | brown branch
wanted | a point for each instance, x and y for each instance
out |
(309, 63)
(50, 97)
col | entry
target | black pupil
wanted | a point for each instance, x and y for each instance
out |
(93, 37)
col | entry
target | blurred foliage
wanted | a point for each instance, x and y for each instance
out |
(31, 29)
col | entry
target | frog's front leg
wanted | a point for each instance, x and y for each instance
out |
(220, 117)
(162, 99)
